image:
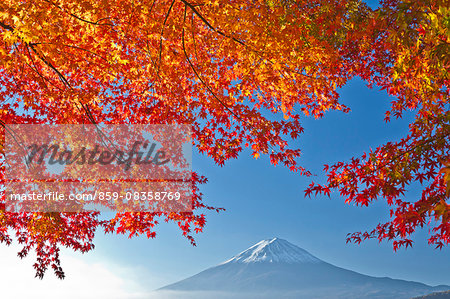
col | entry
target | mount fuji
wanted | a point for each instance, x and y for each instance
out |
(275, 268)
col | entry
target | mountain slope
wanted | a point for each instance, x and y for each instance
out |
(438, 295)
(278, 268)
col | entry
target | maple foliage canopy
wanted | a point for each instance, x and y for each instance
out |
(243, 74)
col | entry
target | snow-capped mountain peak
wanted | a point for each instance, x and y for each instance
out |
(274, 250)
(275, 268)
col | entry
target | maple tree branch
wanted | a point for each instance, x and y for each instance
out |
(85, 107)
(65, 82)
(196, 12)
(34, 67)
(5, 26)
(161, 36)
(431, 139)
(193, 37)
(424, 142)
(148, 52)
(248, 124)
(192, 7)
(151, 7)
(79, 18)
(58, 73)
(79, 48)
(8, 27)
(206, 85)
(13, 135)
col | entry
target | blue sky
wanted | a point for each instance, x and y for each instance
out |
(264, 201)
(261, 201)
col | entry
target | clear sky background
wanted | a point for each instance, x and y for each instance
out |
(262, 202)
